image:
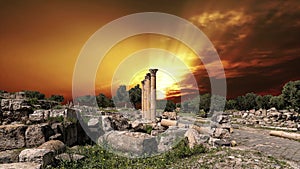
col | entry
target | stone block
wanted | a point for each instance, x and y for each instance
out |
(130, 143)
(40, 156)
(12, 136)
(36, 135)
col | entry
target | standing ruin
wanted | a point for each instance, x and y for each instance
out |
(149, 95)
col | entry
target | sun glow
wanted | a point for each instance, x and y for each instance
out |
(164, 82)
(128, 62)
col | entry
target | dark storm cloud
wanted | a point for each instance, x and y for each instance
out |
(258, 44)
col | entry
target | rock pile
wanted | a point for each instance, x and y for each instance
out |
(130, 137)
(272, 118)
(38, 130)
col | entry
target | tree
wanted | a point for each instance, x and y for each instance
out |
(217, 103)
(277, 101)
(87, 100)
(58, 98)
(259, 101)
(103, 101)
(240, 103)
(135, 96)
(170, 106)
(205, 102)
(291, 94)
(231, 104)
(121, 99)
(266, 101)
(34, 94)
(250, 101)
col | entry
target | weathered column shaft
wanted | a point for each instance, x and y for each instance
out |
(148, 96)
(153, 93)
(142, 99)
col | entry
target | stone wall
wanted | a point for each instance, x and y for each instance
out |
(285, 119)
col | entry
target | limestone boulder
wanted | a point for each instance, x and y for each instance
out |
(36, 135)
(54, 145)
(194, 138)
(12, 136)
(9, 156)
(130, 143)
(106, 124)
(221, 133)
(40, 156)
(93, 122)
(23, 165)
(38, 116)
(57, 113)
(169, 115)
(168, 139)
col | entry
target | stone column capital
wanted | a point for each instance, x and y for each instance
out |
(147, 76)
(153, 72)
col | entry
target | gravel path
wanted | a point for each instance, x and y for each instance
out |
(260, 140)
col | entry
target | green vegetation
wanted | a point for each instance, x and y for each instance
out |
(170, 106)
(148, 129)
(98, 157)
(34, 94)
(57, 119)
(135, 96)
(289, 98)
(104, 101)
(180, 157)
(57, 107)
(60, 119)
(33, 101)
(57, 98)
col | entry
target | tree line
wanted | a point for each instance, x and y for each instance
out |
(288, 99)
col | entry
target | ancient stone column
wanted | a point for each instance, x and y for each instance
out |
(153, 93)
(143, 99)
(147, 96)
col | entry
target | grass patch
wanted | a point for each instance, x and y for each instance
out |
(98, 157)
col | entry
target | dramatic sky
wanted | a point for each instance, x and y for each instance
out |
(258, 43)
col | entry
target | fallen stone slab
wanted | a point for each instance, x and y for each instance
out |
(131, 143)
(40, 156)
(281, 128)
(12, 136)
(24, 165)
(167, 123)
(293, 136)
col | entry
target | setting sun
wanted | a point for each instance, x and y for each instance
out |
(128, 62)
(165, 82)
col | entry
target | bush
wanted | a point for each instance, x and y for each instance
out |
(57, 119)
